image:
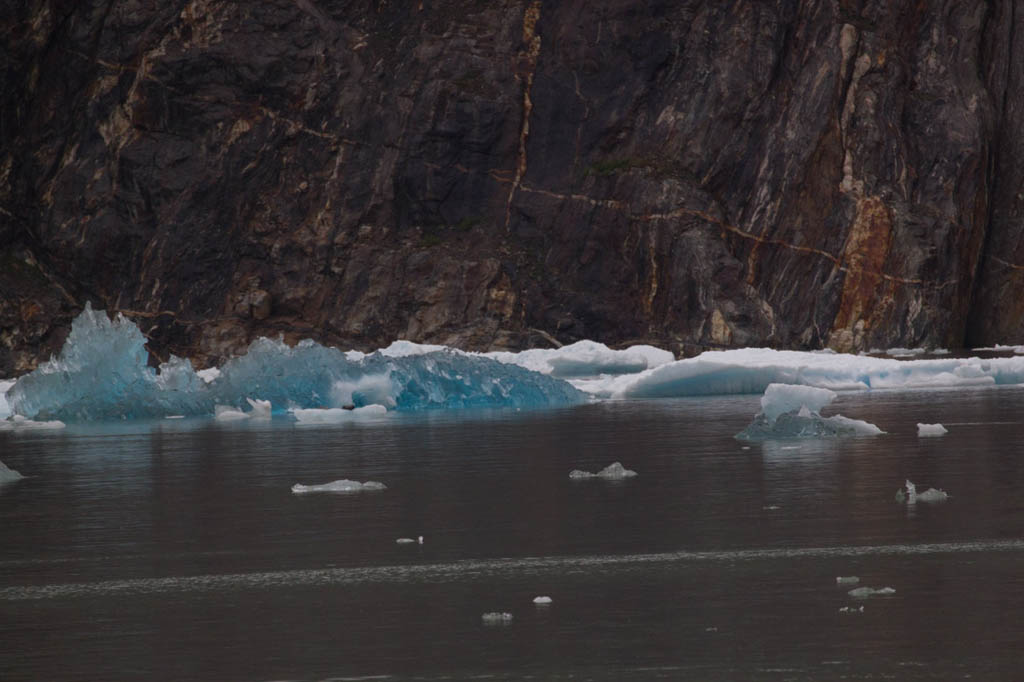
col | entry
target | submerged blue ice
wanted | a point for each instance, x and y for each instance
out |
(102, 373)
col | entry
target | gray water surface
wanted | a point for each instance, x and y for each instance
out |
(175, 550)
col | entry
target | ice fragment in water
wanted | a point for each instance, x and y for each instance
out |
(18, 423)
(410, 541)
(911, 496)
(8, 475)
(226, 413)
(931, 430)
(851, 609)
(497, 618)
(847, 580)
(334, 415)
(612, 472)
(789, 411)
(342, 486)
(542, 600)
(864, 592)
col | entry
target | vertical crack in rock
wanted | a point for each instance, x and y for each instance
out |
(529, 62)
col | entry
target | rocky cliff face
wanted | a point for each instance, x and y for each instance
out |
(507, 173)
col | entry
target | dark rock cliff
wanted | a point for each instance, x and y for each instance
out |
(508, 173)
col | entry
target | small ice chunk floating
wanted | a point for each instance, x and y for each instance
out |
(497, 618)
(927, 430)
(790, 411)
(342, 486)
(865, 592)
(8, 475)
(613, 472)
(908, 493)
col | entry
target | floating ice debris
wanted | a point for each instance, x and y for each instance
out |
(8, 475)
(1000, 348)
(711, 629)
(226, 413)
(865, 592)
(342, 486)
(541, 601)
(18, 423)
(933, 495)
(260, 408)
(789, 411)
(751, 370)
(410, 541)
(102, 373)
(612, 472)
(497, 618)
(847, 580)
(851, 609)
(770, 507)
(175, 416)
(908, 493)
(931, 430)
(335, 415)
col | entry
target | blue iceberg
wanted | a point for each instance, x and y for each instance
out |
(102, 373)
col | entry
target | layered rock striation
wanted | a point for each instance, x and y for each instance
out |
(511, 173)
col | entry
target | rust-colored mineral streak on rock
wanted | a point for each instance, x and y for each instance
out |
(867, 248)
(529, 63)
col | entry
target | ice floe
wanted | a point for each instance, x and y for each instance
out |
(342, 486)
(261, 409)
(497, 618)
(847, 580)
(612, 472)
(16, 422)
(410, 541)
(790, 411)
(8, 475)
(908, 493)
(542, 601)
(751, 370)
(334, 415)
(925, 430)
(865, 592)
(851, 609)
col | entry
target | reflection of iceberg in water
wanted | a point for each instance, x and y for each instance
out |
(789, 411)
(102, 373)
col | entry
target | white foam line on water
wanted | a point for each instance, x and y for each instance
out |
(469, 569)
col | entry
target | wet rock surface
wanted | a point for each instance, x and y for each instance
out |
(512, 173)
